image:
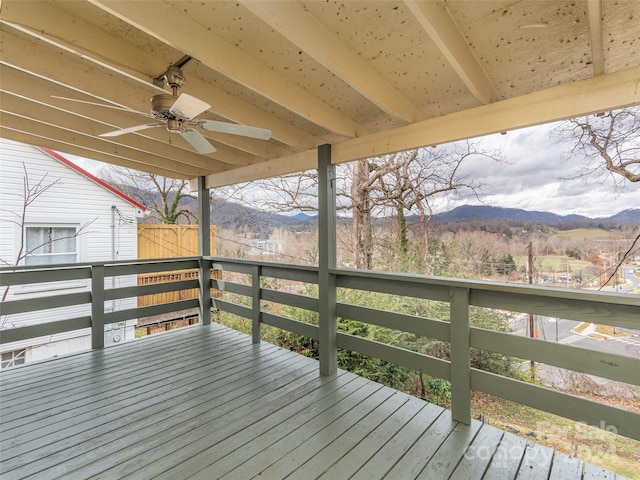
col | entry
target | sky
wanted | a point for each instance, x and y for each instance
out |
(538, 175)
(535, 176)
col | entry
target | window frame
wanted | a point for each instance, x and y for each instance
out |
(51, 225)
(74, 222)
(19, 355)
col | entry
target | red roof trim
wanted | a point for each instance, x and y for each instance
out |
(102, 183)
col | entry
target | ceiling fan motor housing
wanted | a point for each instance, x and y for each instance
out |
(161, 105)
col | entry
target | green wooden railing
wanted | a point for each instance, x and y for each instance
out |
(601, 308)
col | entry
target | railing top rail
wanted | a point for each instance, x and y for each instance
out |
(81, 265)
(415, 279)
(498, 287)
(242, 261)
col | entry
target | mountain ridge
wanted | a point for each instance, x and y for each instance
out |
(484, 212)
(226, 214)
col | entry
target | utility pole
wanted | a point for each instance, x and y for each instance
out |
(531, 318)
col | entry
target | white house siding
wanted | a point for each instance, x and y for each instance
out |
(74, 200)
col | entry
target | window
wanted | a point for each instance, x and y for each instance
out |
(47, 245)
(9, 359)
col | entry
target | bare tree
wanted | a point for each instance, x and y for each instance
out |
(31, 191)
(362, 204)
(392, 185)
(406, 182)
(163, 196)
(286, 193)
(608, 142)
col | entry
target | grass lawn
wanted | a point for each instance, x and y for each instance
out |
(582, 233)
(553, 263)
(604, 330)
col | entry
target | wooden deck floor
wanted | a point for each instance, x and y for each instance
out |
(205, 403)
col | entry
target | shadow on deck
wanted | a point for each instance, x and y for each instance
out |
(204, 402)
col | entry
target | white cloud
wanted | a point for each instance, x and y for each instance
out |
(539, 177)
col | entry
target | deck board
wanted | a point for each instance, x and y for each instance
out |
(370, 445)
(204, 402)
(479, 453)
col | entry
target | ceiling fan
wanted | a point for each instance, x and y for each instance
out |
(179, 115)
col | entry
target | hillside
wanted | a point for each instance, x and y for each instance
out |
(233, 215)
(478, 216)
(476, 212)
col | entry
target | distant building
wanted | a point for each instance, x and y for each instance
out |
(264, 247)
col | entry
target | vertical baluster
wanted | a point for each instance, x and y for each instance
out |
(460, 356)
(97, 306)
(255, 303)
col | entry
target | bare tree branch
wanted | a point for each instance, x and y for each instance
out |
(162, 195)
(609, 143)
(30, 193)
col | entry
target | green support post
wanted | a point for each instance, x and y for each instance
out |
(204, 250)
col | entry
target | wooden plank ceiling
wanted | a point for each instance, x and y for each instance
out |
(368, 77)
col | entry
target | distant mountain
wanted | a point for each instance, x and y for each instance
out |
(471, 213)
(626, 216)
(303, 217)
(468, 213)
(482, 212)
(234, 215)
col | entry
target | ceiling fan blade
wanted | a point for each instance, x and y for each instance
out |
(197, 141)
(235, 129)
(137, 128)
(124, 109)
(188, 107)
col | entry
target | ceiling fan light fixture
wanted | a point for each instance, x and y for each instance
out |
(174, 126)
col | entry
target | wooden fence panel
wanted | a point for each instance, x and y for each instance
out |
(171, 241)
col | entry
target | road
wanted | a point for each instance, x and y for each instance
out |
(553, 330)
(559, 330)
(632, 284)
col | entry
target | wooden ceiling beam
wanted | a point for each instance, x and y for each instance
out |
(302, 29)
(436, 20)
(72, 149)
(594, 8)
(51, 134)
(43, 61)
(597, 94)
(298, 162)
(54, 25)
(46, 61)
(28, 87)
(169, 25)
